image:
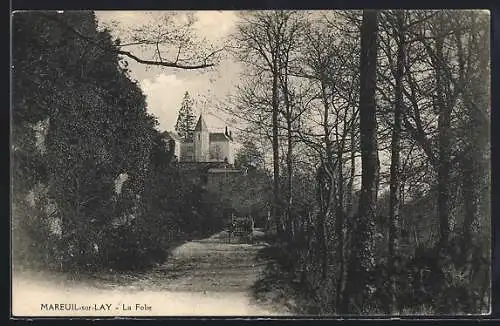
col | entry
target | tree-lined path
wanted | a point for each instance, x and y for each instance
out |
(361, 138)
(201, 277)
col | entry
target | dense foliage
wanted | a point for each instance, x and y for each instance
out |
(186, 120)
(93, 184)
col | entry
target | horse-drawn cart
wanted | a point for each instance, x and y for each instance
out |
(241, 228)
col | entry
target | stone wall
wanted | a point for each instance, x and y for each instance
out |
(238, 191)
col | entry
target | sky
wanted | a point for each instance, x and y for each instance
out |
(165, 87)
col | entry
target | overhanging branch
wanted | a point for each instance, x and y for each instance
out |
(174, 64)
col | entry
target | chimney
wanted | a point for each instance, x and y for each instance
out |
(226, 132)
(230, 134)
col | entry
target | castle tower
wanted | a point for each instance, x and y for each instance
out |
(201, 141)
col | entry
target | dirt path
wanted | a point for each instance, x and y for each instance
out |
(203, 277)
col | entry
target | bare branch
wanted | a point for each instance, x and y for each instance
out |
(91, 40)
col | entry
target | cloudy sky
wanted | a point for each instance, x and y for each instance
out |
(165, 87)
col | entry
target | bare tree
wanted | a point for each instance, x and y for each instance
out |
(265, 40)
(173, 42)
(361, 260)
(438, 67)
(397, 22)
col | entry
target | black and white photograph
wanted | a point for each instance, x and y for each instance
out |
(250, 163)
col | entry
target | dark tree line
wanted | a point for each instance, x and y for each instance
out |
(93, 180)
(391, 110)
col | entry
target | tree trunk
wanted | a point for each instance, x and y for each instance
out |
(329, 174)
(289, 178)
(474, 166)
(289, 151)
(395, 180)
(323, 242)
(444, 167)
(325, 186)
(361, 261)
(275, 145)
(350, 215)
(444, 127)
(352, 159)
(474, 172)
(339, 229)
(470, 198)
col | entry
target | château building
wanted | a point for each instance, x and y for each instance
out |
(208, 161)
(205, 146)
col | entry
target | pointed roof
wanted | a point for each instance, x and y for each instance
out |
(172, 135)
(201, 125)
(219, 136)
